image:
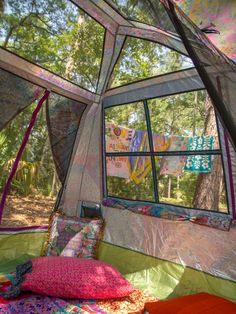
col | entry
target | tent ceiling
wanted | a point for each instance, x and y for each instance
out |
(141, 59)
(57, 35)
(221, 13)
(147, 11)
(44, 78)
(159, 86)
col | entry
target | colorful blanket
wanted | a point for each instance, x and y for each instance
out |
(30, 303)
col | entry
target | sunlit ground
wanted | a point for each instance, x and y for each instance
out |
(27, 211)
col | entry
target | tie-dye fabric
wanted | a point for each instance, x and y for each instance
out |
(161, 143)
(174, 165)
(118, 139)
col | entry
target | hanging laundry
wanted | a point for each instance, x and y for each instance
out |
(199, 163)
(140, 166)
(118, 167)
(161, 143)
(118, 139)
(174, 165)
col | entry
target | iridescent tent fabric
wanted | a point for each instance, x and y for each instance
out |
(220, 15)
(146, 62)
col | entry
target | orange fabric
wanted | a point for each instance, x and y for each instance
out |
(201, 303)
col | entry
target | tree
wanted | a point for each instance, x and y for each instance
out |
(62, 38)
(208, 187)
(53, 34)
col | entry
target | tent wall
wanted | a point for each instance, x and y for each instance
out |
(162, 85)
(84, 176)
(232, 168)
(163, 279)
(41, 77)
(186, 245)
(18, 245)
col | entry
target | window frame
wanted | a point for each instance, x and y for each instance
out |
(152, 154)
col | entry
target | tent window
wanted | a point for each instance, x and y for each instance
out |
(166, 150)
(119, 183)
(33, 190)
(147, 11)
(141, 59)
(56, 35)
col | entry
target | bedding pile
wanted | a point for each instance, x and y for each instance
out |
(30, 303)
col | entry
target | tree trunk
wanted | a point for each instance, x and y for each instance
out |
(2, 6)
(178, 194)
(169, 187)
(194, 114)
(70, 63)
(54, 184)
(208, 188)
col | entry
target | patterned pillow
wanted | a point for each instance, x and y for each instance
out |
(77, 278)
(74, 237)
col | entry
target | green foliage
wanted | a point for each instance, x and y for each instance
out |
(182, 115)
(35, 171)
(55, 34)
(142, 59)
(62, 38)
(146, 11)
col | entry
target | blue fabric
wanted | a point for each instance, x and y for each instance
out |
(14, 290)
(140, 166)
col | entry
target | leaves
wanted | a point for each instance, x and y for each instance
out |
(56, 35)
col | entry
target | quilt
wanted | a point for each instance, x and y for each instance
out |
(30, 303)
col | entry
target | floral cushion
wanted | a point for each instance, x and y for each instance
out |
(74, 237)
(71, 277)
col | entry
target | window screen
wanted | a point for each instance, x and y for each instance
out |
(56, 35)
(166, 150)
(141, 59)
(147, 11)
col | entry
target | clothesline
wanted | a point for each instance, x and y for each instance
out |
(121, 139)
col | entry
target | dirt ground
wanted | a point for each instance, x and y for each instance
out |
(27, 211)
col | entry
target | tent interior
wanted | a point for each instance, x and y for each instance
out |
(139, 118)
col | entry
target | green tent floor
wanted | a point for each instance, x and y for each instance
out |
(162, 279)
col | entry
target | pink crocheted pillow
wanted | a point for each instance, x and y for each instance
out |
(71, 277)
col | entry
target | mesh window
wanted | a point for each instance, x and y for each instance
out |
(147, 11)
(218, 71)
(193, 181)
(63, 118)
(141, 59)
(56, 35)
(182, 129)
(35, 185)
(126, 129)
(183, 122)
(16, 95)
(130, 178)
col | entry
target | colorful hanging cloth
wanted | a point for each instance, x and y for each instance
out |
(140, 166)
(174, 165)
(161, 143)
(118, 139)
(199, 163)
